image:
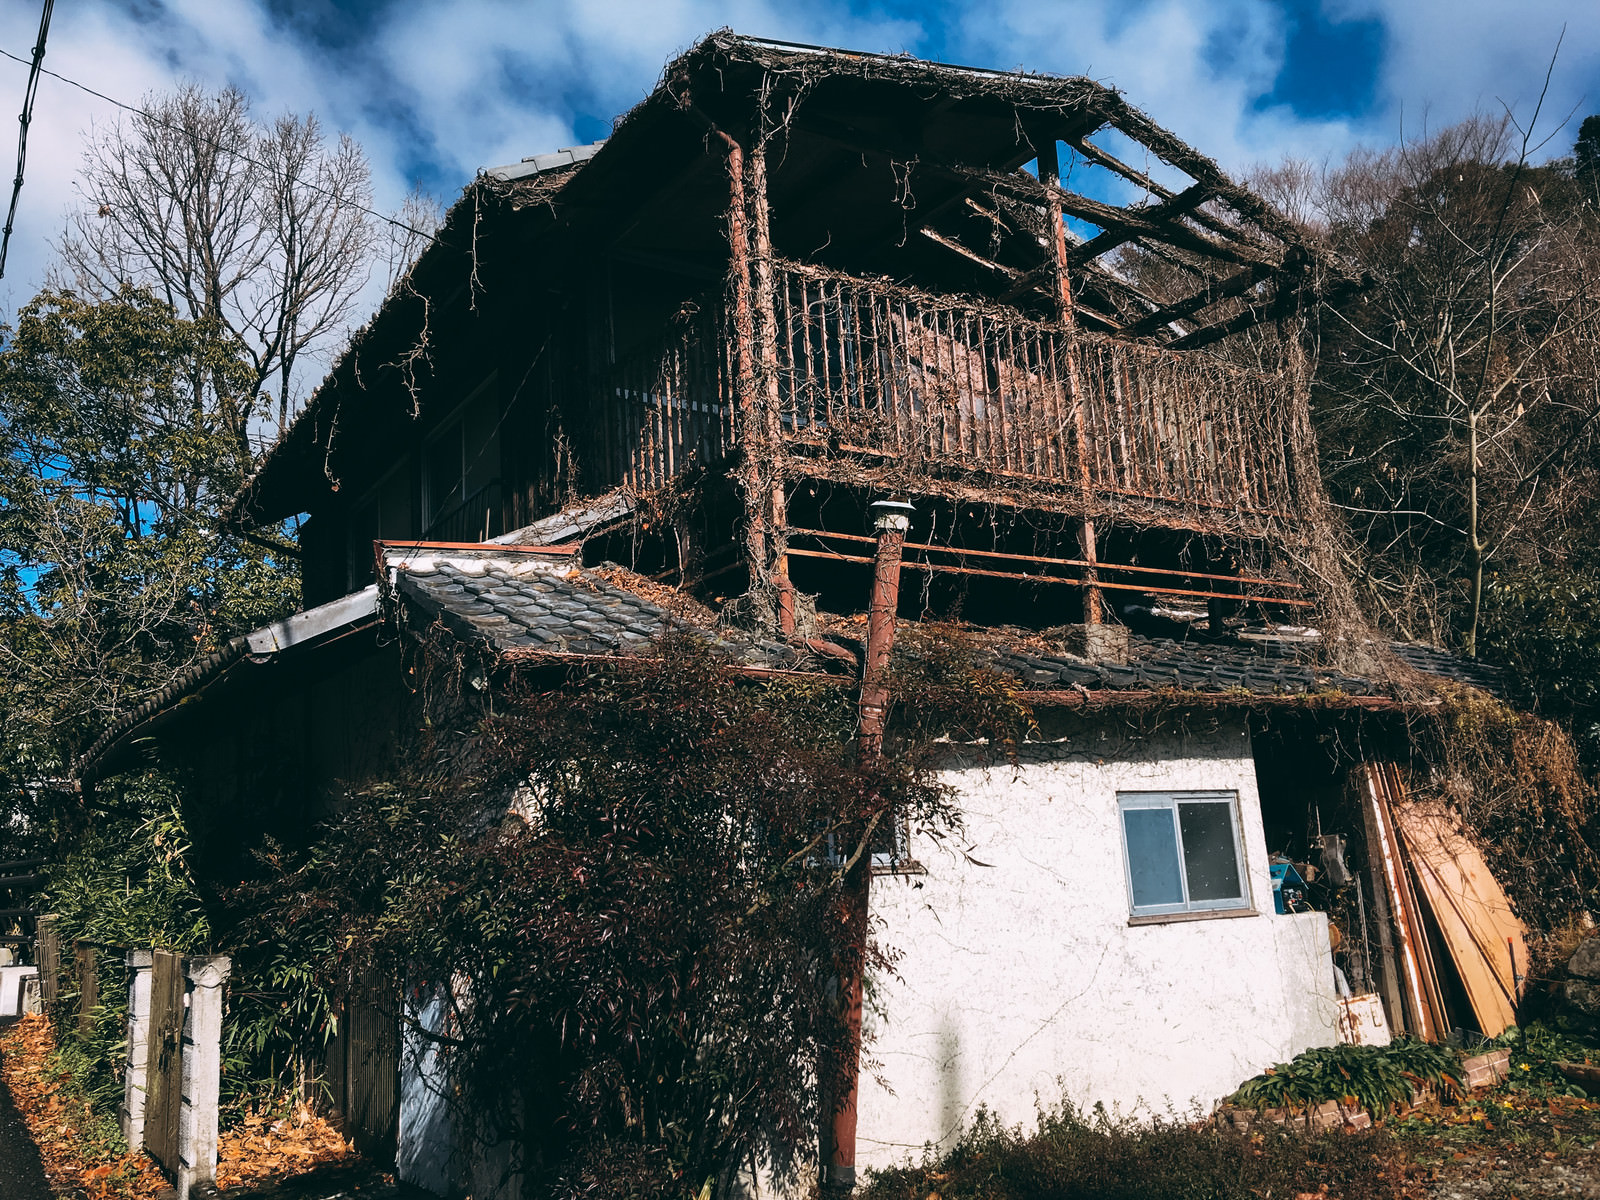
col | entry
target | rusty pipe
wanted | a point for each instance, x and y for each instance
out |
(892, 519)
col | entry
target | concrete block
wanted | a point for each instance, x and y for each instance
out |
(12, 982)
(1486, 1070)
(1097, 643)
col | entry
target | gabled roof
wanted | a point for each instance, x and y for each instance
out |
(877, 165)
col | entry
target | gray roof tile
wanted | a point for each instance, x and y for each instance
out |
(1209, 663)
(518, 603)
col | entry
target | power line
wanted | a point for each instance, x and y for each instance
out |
(37, 70)
(28, 94)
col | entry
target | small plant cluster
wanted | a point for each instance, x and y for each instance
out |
(1073, 1155)
(1378, 1078)
(1538, 1052)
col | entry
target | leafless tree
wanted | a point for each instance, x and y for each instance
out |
(408, 233)
(1459, 394)
(263, 229)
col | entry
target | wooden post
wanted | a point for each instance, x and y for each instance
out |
(87, 969)
(164, 1057)
(1050, 176)
(749, 430)
(768, 397)
(47, 950)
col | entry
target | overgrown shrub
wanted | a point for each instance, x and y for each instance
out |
(1518, 785)
(625, 894)
(1379, 1078)
(1074, 1155)
(124, 884)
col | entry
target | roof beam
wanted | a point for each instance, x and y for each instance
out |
(1133, 221)
(1186, 201)
(1235, 285)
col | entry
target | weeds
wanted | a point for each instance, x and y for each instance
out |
(1074, 1155)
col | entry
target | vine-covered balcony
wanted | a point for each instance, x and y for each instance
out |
(863, 381)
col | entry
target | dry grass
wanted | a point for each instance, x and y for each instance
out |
(84, 1154)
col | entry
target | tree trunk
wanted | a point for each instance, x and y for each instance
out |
(1474, 538)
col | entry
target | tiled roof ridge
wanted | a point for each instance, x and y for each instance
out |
(187, 681)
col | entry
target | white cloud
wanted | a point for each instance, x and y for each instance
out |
(1198, 70)
(482, 82)
(1448, 57)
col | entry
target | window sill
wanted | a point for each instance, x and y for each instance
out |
(1208, 914)
(905, 867)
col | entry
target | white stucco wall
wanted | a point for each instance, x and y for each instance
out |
(1021, 981)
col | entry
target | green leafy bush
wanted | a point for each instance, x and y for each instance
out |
(1379, 1078)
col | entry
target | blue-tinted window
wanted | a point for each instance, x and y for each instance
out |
(1153, 871)
(1183, 851)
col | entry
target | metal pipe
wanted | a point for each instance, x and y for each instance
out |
(964, 552)
(1155, 588)
(892, 520)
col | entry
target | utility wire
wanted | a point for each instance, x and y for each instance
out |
(150, 116)
(28, 94)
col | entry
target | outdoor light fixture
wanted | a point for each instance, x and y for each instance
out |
(891, 514)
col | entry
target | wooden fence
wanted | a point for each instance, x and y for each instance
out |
(171, 1058)
(869, 367)
(361, 1068)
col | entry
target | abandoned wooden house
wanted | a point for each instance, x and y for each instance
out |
(794, 282)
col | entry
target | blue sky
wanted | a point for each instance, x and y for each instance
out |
(435, 89)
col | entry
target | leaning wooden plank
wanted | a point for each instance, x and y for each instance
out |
(1480, 930)
(163, 1101)
(1419, 1014)
(1396, 795)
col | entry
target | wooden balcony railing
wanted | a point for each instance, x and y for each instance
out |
(934, 385)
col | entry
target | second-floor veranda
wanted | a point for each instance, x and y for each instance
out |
(861, 381)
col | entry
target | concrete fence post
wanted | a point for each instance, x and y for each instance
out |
(202, 1072)
(136, 1084)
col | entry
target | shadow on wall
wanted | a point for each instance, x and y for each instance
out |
(426, 1141)
(952, 1088)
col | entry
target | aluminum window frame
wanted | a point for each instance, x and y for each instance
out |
(1170, 802)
